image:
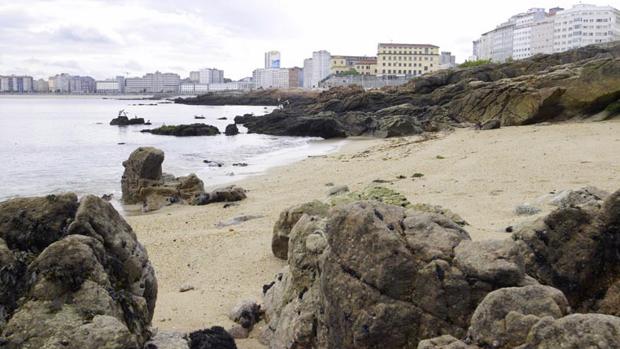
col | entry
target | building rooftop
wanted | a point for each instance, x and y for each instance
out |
(385, 44)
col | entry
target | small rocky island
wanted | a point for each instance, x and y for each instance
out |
(123, 120)
(197, 129)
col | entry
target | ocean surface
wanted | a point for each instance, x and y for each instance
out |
(53, 144)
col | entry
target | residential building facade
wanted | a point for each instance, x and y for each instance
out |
(321, 61)
(153, 83)
(584, 25)
(295, 77)
(111, 86)
(307, 83)
(537, 31)
(211, 76)
(17, 84)
(41, 86)
(271, 78)
(65, 83)
(341, 64)
(194, 76)
(272, 59)
(447, 60)
(406, 59)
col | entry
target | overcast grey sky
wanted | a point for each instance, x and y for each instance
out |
(108, 38)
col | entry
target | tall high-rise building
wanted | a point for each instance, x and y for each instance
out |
(272, 59)
(211, 76)
(307, 73)
(406, 59)
(320, 66)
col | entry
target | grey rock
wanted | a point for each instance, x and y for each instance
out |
(286, 221)
(227, 194)
(575, 331)
(444, 342)
(504, 317)
(231, 130)
(167, 340)
(588, 197)
(246, 313)
(186, 287)
(337, 190)
(494, 261)
(491, 125)
(526, 210)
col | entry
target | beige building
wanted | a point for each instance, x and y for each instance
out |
(406, 59)
(362, 64)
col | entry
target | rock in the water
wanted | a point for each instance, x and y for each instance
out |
(125, 121)
(215, 337)
(231, 130)
(81, 277)
(185, 130)
(288, 219)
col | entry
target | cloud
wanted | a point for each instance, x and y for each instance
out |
(81, 35)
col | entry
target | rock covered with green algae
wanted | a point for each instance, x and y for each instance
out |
(73, 276)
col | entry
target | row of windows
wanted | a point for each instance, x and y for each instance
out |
(406, 58)
(405, 64)
(406, 71)
(405, 51)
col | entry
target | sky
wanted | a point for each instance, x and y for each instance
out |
(104, 39)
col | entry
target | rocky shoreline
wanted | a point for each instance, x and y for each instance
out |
(579, 84)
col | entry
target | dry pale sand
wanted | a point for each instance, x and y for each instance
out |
(482, 176)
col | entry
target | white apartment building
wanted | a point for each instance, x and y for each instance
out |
(584, 25)
(321, 63)
(271, 78)
(210, 76)
(13, 83)
(272, 59)
(194, 76)
(522, 35)
(537, 31)
(307, 80)
(153, 83)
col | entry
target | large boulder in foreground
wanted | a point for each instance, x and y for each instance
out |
(287, 220)
(73, 276)
(372, 275)
(185, 130)
(575, 249)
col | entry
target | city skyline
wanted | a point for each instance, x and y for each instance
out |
(103, 40)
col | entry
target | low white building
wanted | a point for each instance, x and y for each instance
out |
(271, 78)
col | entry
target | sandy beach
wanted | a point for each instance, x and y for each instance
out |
(481, 175)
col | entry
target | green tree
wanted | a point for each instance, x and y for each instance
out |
(475, 63)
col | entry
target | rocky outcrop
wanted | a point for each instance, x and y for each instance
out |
(576, 84)
(125, 121)
(231, 130)
(185, 130)
(575, 249)
(142, 170)
(256, 97)
(143, 183)
(366, 274)
(286, 222)
(373, 275)
(73, 276)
